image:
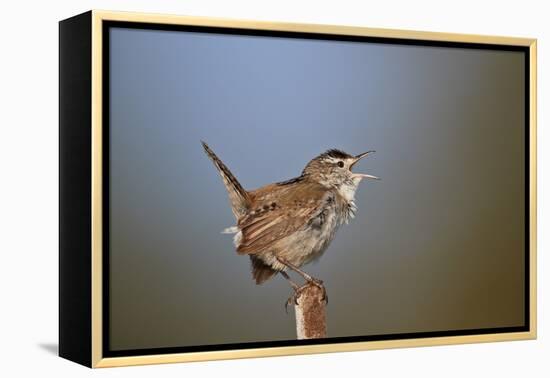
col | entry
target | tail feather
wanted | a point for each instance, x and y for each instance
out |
(260, 271)
(239, 198)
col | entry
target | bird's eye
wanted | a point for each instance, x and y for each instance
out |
(341, 164)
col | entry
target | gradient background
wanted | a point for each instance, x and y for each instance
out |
(437, 244)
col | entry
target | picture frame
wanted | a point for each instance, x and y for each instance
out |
(85, 105)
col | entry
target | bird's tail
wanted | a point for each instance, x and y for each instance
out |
(260, 271)
(239, 198)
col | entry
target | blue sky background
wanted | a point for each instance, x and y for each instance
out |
(437, 244)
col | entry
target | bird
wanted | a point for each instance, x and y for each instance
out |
(285, 225)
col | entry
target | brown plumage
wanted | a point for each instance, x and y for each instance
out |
(288, 224)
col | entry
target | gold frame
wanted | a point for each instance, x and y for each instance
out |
(97, 19)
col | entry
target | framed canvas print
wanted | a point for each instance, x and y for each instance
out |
(220, 196)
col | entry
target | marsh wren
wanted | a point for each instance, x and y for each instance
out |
(288, 224)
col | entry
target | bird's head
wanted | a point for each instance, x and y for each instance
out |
(333, 169)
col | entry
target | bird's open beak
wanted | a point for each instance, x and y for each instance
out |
(362, 175)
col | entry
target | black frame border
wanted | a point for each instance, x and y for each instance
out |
(75, 181)
(106, 25)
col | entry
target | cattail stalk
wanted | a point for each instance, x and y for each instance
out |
(311, 320)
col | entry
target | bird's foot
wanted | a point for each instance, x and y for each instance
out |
(319, 283)
(293, 299)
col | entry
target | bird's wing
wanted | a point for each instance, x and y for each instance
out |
(275, 220)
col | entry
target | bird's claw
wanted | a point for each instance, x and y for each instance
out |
(293, 299)
(319, 283)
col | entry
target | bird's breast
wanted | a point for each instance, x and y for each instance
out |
(311, 241)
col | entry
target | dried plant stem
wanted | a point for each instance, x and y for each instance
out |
(311, 321)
